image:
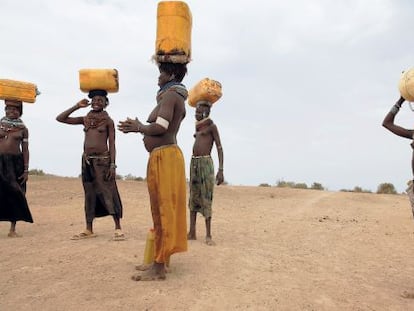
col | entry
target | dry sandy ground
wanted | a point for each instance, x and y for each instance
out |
(277, 249)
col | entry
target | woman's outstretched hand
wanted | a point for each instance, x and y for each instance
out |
(129, 125)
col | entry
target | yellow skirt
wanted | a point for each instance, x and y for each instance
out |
(167, 191)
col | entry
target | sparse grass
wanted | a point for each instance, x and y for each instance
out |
(37, 172)
(264, 185)
(384, 188)
(291, 184)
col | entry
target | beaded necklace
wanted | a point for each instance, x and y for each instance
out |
(11, 125)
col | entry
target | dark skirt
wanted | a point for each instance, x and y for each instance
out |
(13, 203)
(101, 195)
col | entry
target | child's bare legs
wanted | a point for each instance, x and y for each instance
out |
(89, 226)
(13, 226)
(192, 233)
(12, 233)
(117, 222)
(209, 240)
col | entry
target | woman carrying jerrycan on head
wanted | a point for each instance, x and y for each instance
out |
(98, 158)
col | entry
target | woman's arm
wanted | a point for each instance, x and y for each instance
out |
(112, 150)
(25, 151)
(64, 116)
(389, 124)
(219, 147)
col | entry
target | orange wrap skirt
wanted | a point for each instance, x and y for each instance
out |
(167, 191)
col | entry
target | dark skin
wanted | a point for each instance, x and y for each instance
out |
(12, 143)
(97, 140)
(171, 108)
(203, 144)
(389, 124)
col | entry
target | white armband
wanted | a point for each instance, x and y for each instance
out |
(161, 121)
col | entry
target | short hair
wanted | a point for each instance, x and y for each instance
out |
(203, 103)
(93, 93)
(179, 70)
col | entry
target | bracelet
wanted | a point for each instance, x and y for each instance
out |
(113, 165)
(139, 126)
(394, 110)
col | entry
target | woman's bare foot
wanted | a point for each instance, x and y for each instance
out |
(14, 234)
(143, 267)
(407, 294)
(155, 273)
(209, 241)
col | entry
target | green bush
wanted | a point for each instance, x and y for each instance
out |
(282, 184)
(264, 185)
(317, 186)
(37, 172)
(356, 189)
(386, 188)
(301, 186)
(291, 184)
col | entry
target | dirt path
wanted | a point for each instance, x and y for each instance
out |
(277, 249)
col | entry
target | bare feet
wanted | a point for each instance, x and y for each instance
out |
(407, 295)
(118, 235)
(191, 236)
(143, 267)
(155, 273)
(83, 235)
(210, 242)
(14, 234)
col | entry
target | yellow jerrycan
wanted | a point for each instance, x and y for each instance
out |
(18, 90)
(406, 85)
(149, 248)
(205, 90)
(174, 23)
(99, 79)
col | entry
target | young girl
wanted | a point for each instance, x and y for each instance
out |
(14, 166)
(98, 163)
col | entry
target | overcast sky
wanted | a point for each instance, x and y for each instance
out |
(306, 84)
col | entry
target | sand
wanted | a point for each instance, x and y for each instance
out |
(276, 249)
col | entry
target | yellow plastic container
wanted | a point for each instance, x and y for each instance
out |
(149, 248)
(406, 85)
(99, 79)
(205, 90)
(18, 90)
(174, 22)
